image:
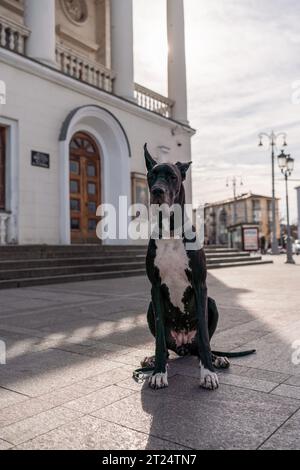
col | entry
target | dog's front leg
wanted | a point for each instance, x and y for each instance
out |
(208, 378)
(159, 379)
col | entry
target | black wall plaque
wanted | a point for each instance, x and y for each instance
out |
(40, 159)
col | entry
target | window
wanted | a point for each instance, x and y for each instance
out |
(74, 186)
(75, 224)
(75, 205)
(91, 188)
(91, 170)
(92, 225)
(74, 167)
(92, 206)
(223, 220)
(2, 167)
(256, 212)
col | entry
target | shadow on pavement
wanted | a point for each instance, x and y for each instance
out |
(94, 331)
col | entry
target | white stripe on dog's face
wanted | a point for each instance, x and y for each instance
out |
(172, 261)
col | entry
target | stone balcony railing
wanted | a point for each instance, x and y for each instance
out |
(81, 68)
(93, 73)
(153, 101)
(13, 35)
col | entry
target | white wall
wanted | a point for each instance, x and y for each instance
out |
(40, 105)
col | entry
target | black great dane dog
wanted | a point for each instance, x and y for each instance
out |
(181, 316)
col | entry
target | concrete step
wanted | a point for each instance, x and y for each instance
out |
(39, 281)
(227, 255)
(244, 263)
(238, 259)
(220, 250)
(61, 251)
(69, 270)
(27, 282)
(103, 258)
(41, 264)
(80, 247)
(56, 262)
(72, 251)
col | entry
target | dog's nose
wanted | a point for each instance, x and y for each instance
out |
(157, 191)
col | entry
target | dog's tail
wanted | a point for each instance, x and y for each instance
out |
(234, 354)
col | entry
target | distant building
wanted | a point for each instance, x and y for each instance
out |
(245, 209)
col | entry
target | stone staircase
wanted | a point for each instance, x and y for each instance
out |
(22, 266)
(220, 257)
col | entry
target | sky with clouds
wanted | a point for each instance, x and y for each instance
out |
(243, 59)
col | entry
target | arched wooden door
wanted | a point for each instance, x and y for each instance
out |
(85, 188)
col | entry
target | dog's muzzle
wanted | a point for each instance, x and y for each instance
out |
(157, 195)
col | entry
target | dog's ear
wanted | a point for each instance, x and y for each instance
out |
(183, 168)
(150, 162)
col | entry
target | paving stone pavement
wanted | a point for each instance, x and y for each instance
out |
(71, 350)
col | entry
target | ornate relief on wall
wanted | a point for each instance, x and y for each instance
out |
(75, 10)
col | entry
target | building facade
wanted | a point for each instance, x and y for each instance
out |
(245, 209)
(72, 120)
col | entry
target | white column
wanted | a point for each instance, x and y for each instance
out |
(298, 200)
(122, 47)
(176, 62)
(40, 19)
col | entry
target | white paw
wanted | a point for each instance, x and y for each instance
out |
(221, 363)
(208, 379)
(159, 380)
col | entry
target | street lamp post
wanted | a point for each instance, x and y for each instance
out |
(272, 140)
(286, 165)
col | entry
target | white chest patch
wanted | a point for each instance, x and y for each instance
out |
(172, 261)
